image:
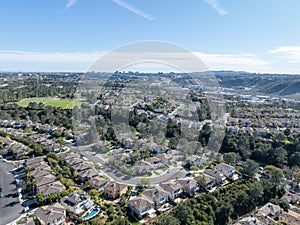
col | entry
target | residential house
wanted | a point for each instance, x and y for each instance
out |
(114, 190)
(51, 215)
(158, 195)
(249, 220)
(206, 181)
(216, 175)
(288, 219)
(290, 198)
(193, 161)
(81, 167)
(142, 167)
(158, 149)
(247, 131)
(245, 123)
(48, 179)
(40, 172)
(69, 155)
(140, 206)
(172, 188)
(189, 185)
(54, 187)
(33, 161)
(77, 202)
(87, 174)
(98, 183)
(270, 210)
(233, 129)
(263, 132)
(225, 169)
(74, 161)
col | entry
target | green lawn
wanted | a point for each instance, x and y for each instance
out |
(164, 169)
(55, 102)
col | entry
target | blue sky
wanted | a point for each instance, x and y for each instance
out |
(69, 35)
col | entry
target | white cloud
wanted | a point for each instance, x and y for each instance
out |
(133, 9)
(289, 53)
(46, 61)
(78, 61)
(70, 3)
(238, 62)
(216, 6)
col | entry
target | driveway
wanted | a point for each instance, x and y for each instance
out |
(10, 207)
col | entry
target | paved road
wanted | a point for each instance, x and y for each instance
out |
(111, 173)
(10, 207)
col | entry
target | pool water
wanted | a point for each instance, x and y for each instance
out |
(94, 212)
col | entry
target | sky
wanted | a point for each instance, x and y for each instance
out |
(70, 35)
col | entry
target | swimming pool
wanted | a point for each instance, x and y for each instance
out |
(93, 213)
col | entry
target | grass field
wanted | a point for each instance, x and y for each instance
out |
(55, 102)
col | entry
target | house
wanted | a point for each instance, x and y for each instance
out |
(40, 171)
(233, 122)
(140, 206)
(74, 161)
(263, 132)
(87, 174)
(172, 188)
(215, 174)
(189, 185)
(289, 219)
(250, 220)
(290, 198)
(114, 190)
(295, 211)
(34, 161)
(69, 155)
(245, 123)
(158, 195)
(97, 183)
(193, 161)
(225, 169)
(48, 179)
(81, 167)
(142, 167)
(51, 215)
(55, 187)
(247, 131)
(270, 210)
(158, 149)
(206, 181)
(232, 129)
(77, 202)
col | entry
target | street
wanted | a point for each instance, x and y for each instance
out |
(111, 173)
(10, 207)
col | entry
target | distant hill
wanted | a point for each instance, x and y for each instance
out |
(272, 84)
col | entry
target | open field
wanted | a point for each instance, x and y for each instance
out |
(55, 102)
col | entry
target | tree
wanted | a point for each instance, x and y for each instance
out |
(183, 213)
(296, 176)
(295, 159)
(275, 174)
(256, 191)
(250, 168)
(279, 156)
(40, 198)
(94, 193)
(229, 158)
(168, 220)
(173, 142)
